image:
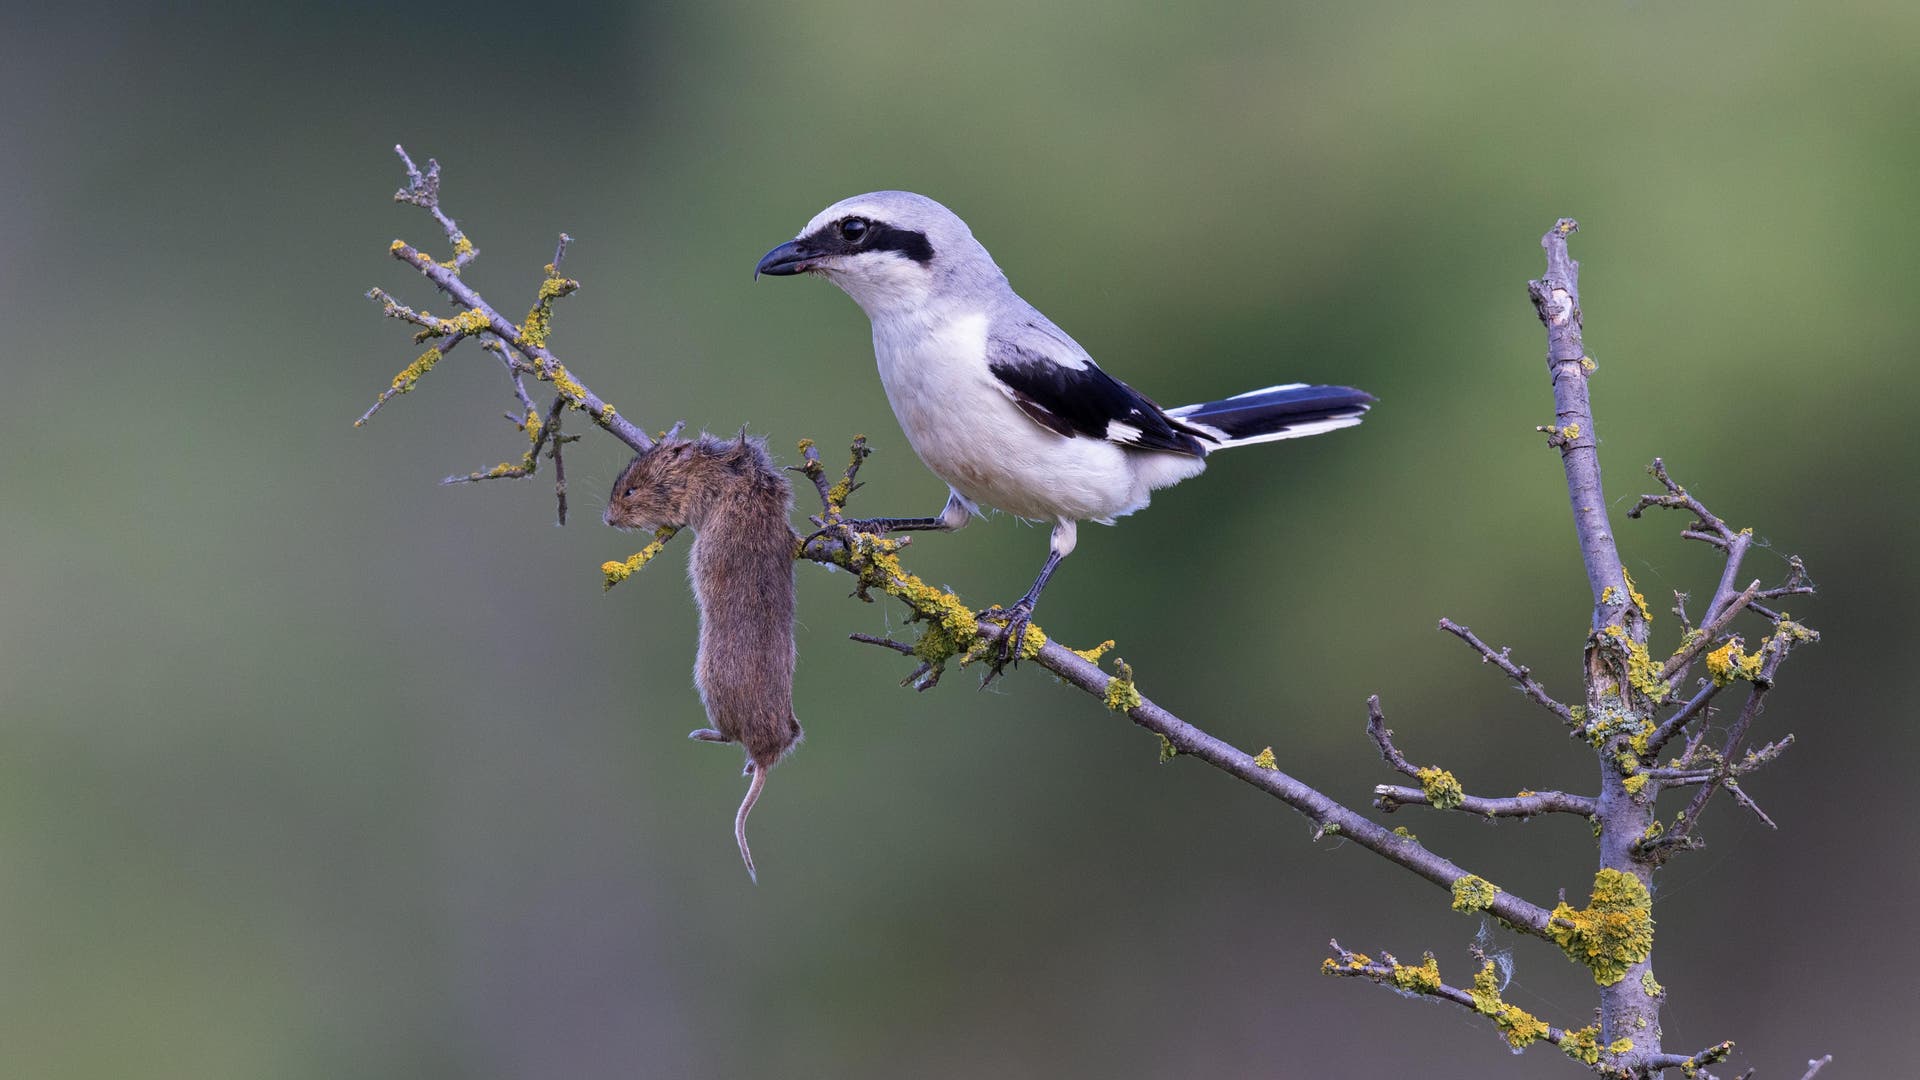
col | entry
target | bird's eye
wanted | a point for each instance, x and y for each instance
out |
(854, 230)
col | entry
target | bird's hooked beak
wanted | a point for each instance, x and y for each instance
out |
(786, 260)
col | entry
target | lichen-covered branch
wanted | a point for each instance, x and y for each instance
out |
(953, 633)
(1391, 797)
(1518, 1027)
(1440, 790)
(1627, 686)
(529, 339)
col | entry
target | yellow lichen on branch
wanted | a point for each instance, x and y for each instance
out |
(1613, 932)
(617, 572)
(1727, 663)
(1351, 962)
(1521, 1028)
(1473, 893)
(411, 375)
(1443, 791)
(539, 322)
(1582, 1045)
(1423, 978)
(470, 321)
(462, 247)
(951, 627)
(1122, 695)
(1644, 673)
(1639, 601)
(1093, 655)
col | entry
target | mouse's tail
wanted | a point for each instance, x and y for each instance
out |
(740, 819)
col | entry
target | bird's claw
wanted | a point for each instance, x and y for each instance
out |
(1015, 619)
(846, 528)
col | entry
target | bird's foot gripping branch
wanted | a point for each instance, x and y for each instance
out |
(1637, 700)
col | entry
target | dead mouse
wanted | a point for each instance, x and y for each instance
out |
(737, 503)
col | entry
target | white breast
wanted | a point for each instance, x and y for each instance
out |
(961, 422)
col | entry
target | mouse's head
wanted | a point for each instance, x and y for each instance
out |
(654, 489)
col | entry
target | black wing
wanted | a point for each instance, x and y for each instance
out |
(1085, 401)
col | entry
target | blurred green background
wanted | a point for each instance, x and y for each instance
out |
(311, 768)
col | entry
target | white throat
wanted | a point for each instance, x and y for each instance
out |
(885, 287)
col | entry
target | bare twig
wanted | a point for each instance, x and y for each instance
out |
(515, 370)
(559, 441)
(1741, 797)
(1186, 739)
(1382, 737)
(884, 643)
(1708, 528)
(1691, 1064)
(1681, 717)
(1521, 676)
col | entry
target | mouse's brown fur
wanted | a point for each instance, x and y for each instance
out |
(737, 503)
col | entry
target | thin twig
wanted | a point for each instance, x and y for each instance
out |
(885, 643)
(1681, 836)
(814, 471)
(1691, 1064)
(423, 190)
(1389, 797)
(1682, 717)
(558, 440)
(1392, 974)
(1382, 737)
(401, 384)
(1741, 797)
(1191, 741)
(1521, 676)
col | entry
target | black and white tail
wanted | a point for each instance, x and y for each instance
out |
(1293, 411)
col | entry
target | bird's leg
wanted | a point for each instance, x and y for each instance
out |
(954, 515)
(1020, 614)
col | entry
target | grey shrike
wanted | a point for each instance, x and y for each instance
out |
(1002, 404)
